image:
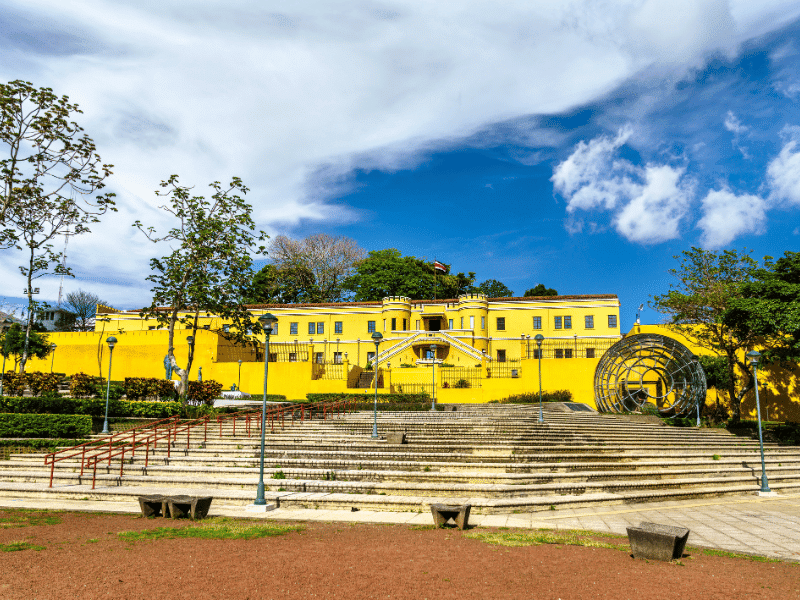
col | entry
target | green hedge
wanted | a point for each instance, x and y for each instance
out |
(89, 406)
(369, 396)
(50, 426)
(393, 406)
(533, 397)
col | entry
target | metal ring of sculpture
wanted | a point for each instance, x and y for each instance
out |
(651, 369)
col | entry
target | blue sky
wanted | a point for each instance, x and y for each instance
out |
(577, 144)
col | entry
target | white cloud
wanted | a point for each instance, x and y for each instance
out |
(278, 93)
(649, 202)
(783, 172)
(733, 124)
(726, 216)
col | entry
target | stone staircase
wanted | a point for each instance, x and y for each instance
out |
(498, 458)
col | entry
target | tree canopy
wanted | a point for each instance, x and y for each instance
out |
(12, 342)
(210, 266)
(388, 273)
(540, 290)
(708, 284)
(494, 289)
(83, 306)
(769, 307)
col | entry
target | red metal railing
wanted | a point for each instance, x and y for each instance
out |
(168, 430)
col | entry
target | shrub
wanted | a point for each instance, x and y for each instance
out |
(13, 383)
(44, 426)
(82, 385)
(203, 392)
(533, 397)
(137, 388)
(41, 383)
(367, 396)
(89, 406)
(461, 383)
(115, 392)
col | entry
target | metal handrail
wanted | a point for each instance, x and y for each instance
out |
(127, 442)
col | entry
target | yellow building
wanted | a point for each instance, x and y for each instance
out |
(482, 348)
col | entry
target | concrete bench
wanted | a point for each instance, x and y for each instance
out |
(657, 542)
(396, 437)
(443, 513)
(194, 507)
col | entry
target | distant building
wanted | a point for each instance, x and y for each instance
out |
(51, 317)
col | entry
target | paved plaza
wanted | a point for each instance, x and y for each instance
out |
(766, 526)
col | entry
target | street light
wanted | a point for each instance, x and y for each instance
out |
(376, 337)
(539, 339)
(754, 356)
(239, 384)
(52, 356)
(3, 372)
(433, 374)
(267, 321)
(111, 341)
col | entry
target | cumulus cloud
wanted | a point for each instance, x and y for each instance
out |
(648, 202)
(293, 97)
(727, 215)
(783, 172)
(735, 126)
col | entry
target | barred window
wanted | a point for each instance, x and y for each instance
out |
(568, 353)
(537, 322)
(292, 328)
(312, 328)
(567, 322)
(394, 324)
(501, 356)
(612, 321)
(320, 327)
(589, 321)
(337, 358)
(337, 327)
(557, 323)
(590, 353)
(370, 326)
(501, 323)
(559, 353)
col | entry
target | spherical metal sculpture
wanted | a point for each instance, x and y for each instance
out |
(649, 369)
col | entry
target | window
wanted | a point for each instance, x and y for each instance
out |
(273, 357)
(590, 353)
(370, 357)
(483, 322)
(430, 354)
(472, 322)
(384, 324)
(417, 324)
(319, 358)
(320, 327)
(293, 328)
(449, 323)
(370, 326)
(405, 324)
(557, 322)
(612, 321)
(559, 353)
(337, 358)
(501, 323)
(292, 356)
(568, 353)
(226, 328)
(312, 328)
(588, 321)
(462, 322)
(536, 353)
(501, 356)
(274, 329)
(152, 327)
(337, 327)
(567, 322)
(537, 322)
(394, 324)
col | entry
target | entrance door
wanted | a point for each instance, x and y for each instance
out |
(434, 324)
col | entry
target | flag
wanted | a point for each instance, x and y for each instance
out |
(439, 266)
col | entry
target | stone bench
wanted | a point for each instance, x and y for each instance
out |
(194, 507)
(657, 542)
(396, 437)
(443, 513)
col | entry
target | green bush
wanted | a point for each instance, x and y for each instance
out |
(533, 397)
(461, 383)
(82, 385)
(41, 383)
(13, 383)
(44, 426)
(367, 396)
(138, 388)
(115, 392)
(89, 406)
(203, 392)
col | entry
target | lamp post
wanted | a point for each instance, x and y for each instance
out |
(111, 341)
(52, 356)
(433, 375)
(376, 337)
(754, 356)
(267, 321)
(239, 383)
(3, 372)
(696, 359)
(539, 339)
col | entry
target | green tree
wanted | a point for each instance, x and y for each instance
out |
(707, 285)
(49, 161)
(540, 290)
(769, 307)
(209, 268)
(388, 273)
(289, 285)
(12, 343)
(494, 289)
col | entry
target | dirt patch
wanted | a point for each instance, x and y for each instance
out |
(84, 557)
